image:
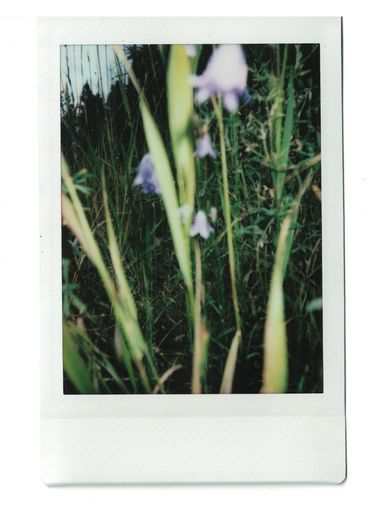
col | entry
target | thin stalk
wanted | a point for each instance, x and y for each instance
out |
(201, 334)
(196, 370)
(227, 211)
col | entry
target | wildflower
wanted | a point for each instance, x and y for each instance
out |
(201, 226)
(146, 176)
(185, 211)
(226, 74)
(213, 214)
(204, 146)
(191, 50)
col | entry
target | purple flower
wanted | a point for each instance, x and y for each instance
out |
(191, 50)
(146, 176)
(204, 146)
(201, 226)
(226, 74)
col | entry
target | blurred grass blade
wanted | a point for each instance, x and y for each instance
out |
(164, 176)
(128, 323)
(229, 371)
(123, 92)
(287, 136)
(74, 366)
(159, 386)
(123, 354)
(201, 335)
(275, 365)
(71, 220)
(279, 99)
(195, 59)
(124, 292)
(288, 125)
(180, 110)
(294, 210)
(168, 192)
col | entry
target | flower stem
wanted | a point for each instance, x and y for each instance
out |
(227, 211)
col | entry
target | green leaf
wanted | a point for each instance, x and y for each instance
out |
(275, 367)
(287, 136)
(74, 366)
(180, 109)
(168, 192)
(229, 371)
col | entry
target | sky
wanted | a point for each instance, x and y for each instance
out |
(95, 64)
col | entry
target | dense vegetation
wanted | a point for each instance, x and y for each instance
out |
(154, 328)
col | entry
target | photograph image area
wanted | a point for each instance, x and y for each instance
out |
(191, 219)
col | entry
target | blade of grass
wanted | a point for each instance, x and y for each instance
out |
(286, 141)
(229, 371)
(275, 365)
(124, 292)
(180, 110)
(201, 335)
(159, 386)
(164, 176)
(129, 326)
(227, 212)
(74, 366)
(167, 186)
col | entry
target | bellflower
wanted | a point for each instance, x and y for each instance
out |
(201, 226)
(204, 146)
(226, 74)
(146, 176)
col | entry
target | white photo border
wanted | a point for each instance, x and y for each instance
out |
(189, 438)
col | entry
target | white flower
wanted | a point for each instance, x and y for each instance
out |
(201, 226)
(226, 74)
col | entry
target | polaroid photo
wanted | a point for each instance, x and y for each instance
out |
(192, 250)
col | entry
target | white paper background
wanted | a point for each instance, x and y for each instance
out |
(18, 259)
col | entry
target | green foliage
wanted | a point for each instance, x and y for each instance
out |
(157, 318)
(180, 112)
(75, 367)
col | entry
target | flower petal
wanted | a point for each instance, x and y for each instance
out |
(231, 101)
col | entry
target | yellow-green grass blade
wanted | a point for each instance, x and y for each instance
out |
(124, 291)
(229, 371)
(71, 220)
(180, 110)
(160, 384)
(164, 176)
(275, 363)
(168, 192)
(74, 366)
(129, 325)
(201, 335)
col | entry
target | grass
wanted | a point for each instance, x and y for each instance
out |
(148, 309)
